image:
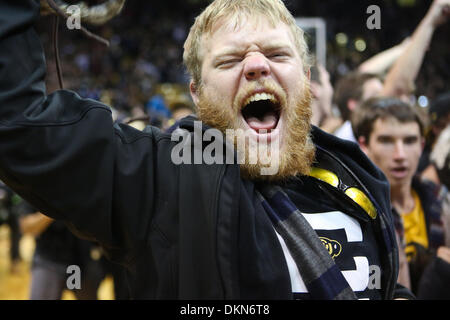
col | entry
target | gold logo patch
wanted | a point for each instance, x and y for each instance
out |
(333, 247)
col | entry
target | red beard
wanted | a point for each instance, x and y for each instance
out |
(295, 152)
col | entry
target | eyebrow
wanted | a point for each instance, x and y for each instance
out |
(229, 52)
(387, 136)
(233, 52)
(277, 46)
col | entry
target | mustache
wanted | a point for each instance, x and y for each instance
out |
(265, 85)
(297, 150)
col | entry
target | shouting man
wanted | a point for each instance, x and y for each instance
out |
(317, 227)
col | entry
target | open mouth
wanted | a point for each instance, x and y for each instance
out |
(261, 111)
(399, 172)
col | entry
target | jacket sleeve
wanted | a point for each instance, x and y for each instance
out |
(62, 153)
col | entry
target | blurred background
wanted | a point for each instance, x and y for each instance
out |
(145, 56)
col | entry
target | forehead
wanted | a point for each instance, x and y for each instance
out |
(390, 126)
(229, 35)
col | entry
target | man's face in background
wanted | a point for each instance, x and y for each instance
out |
(395, 147)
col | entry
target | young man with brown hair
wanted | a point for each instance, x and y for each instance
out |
(390, 132)
(351, 90)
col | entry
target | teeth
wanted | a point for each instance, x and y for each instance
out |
(260, 97)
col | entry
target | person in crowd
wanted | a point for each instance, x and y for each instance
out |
(8, 215)
(352, 90)
(406, 60)
(181, 110)
(439, 119)
(56, 249)
(381, 62)
(390, 132)
(401, 78)
(323, 115)
(309, 220)
(440, 159)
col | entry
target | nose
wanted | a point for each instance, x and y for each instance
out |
(399, 152)
(256, 67)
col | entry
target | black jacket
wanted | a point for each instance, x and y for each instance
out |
(119, 185)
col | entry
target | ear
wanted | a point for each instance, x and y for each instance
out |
(194, 92)
(363, 144)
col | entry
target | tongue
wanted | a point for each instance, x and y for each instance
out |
(267, 122)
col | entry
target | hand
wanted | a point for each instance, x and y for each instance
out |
(439, 12)
(444, 253)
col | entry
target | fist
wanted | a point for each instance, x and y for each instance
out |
(439, 12)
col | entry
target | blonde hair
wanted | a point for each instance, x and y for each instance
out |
(238, 11)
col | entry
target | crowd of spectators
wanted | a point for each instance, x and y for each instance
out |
(146, 46)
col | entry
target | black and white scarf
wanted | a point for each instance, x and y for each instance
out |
(322, 277)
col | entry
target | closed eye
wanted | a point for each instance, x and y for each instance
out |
(228, 63)
(278, 51)
(278, 55)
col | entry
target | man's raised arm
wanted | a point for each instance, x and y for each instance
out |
(401, 77)
(61, 152)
